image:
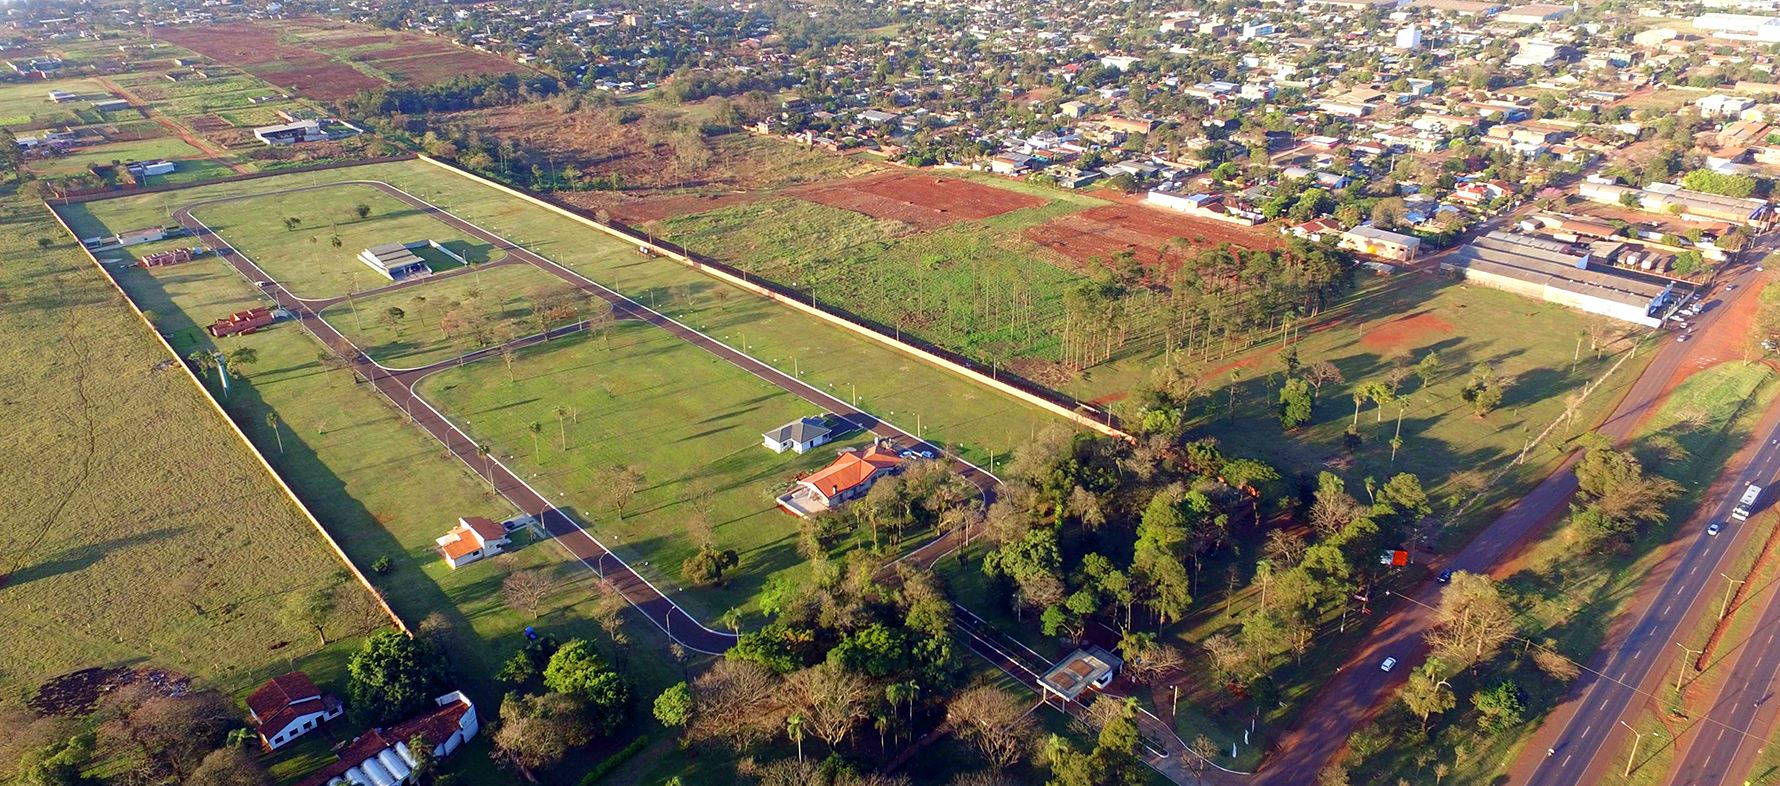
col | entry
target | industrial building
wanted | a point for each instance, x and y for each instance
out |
(1692, 205)
(291, 133)
(1561, 273)
(397, 261)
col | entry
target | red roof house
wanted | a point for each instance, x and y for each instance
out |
(472, 539)
(242, 322)
(381, 756)
(851, 475)
(289, 706)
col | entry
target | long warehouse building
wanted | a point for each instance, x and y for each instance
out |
(1558, 272)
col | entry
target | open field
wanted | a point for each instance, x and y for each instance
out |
(921, 201)
(500, 297)
(384, 489)
(192, 164)
(1156, 237)
(26, 105)
(688, 422)
(169, 545)
(894, 386)
(306, 258)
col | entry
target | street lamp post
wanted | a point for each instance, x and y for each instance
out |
(1636, 738)
(1726, 607)
(1683, 670)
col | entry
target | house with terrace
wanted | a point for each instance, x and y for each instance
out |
(852, 474)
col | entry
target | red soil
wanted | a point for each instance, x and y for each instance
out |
(1404, 332)
(923, 201)
(1728, 339)
(256, 49)
(1100, 233)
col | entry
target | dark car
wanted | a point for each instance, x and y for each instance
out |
(1444, 577)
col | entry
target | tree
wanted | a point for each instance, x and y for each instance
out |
(393, 676)
(1473, 619)
(1428, 368)
(537, 731)
(1499, 708)
(361, 210)
(312, 610)
(1427, 693)
(831, 699)
(674, 706)
(1321, 372)
(272, 423)
(993, 720)
(169, 734)
(526, 590)
(622, 485)
(1295, 403)
(230, 766)
(291, 223)
(706, 566)
(1483, 391)
(577, 670)
(735, 701)
(1388, 213)
(240, 358)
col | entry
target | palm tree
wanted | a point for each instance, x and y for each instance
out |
(535, 428)
(794, 730)
(272, 423)
(561, 429)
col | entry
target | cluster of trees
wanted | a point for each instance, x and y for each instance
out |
(1195, 300)
(564, 695)
(1619, 497)
(142, 733)
(1720, 183)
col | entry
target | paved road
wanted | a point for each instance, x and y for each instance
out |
(399, 387)
(1359, 690)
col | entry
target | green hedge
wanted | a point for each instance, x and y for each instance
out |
(615, 761)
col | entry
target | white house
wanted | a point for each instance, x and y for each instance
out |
(797, 436)
(289, 706)
(380, 757)
(472, 539)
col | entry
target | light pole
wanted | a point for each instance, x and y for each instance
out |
(1726, 608)
(1636, 738)
(1683, 670)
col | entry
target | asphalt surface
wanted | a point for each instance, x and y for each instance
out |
(1359, 689)
(398, 385)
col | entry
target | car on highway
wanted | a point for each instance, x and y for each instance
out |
(1713, 528)
(1388, 664)
(1445, 577)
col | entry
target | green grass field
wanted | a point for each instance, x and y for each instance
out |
(168, 545)
(193, 165)
(641, 398)
(306, 258)
(27, 105)
(384, 489)
(502, 295)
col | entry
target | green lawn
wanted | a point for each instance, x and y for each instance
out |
(305, 258)
(641, 398)
(501, 295)
(386, 489)
(168, 545)
(192, 164)
(27, 104)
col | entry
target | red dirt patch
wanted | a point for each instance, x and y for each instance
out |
(1102, 232)
(924, 201)
(1404, 331)
(660, 208)
(256, 49)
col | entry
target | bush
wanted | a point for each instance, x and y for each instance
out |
(614, 761)
(383, 565)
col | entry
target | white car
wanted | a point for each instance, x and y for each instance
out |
(1388, 664)
(1713, 528)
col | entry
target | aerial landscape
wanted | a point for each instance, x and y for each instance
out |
(1078, 393)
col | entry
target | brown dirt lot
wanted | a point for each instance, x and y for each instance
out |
(1404, 331)
(1101, 232)
(924, 201)
(310, 66)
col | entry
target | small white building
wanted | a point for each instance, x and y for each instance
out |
(472, 539)
(291, 133)
(798, 436)
(1409, 38)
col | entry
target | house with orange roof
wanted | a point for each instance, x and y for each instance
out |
(851, 475)
(472, 539)
(287, 707)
